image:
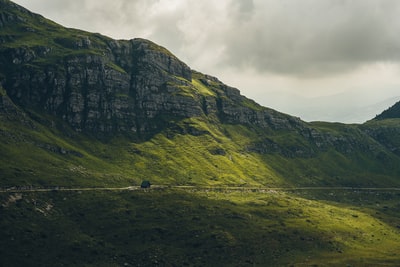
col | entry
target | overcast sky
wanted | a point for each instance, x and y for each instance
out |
(332, 60)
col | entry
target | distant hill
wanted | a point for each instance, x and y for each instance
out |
(390, 113)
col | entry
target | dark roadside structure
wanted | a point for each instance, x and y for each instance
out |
(145, 184)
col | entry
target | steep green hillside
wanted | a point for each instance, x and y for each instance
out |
(189, 152)
(38, 156)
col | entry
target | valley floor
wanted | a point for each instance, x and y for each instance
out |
(191, 226)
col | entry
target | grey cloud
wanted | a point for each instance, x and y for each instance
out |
(314, 37)
(242, 10)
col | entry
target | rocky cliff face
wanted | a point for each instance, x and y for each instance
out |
(122, 89)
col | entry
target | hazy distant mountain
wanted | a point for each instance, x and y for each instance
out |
(312, 109)
(390, 113)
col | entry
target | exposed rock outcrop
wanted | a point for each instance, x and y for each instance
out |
(95, 93)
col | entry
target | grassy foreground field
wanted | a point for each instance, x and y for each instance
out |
(192, 227)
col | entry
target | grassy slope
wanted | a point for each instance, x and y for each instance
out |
(217, 157)
(198, 228)
(31, 155)
(179, 159)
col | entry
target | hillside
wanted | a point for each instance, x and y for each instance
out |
(85, 105)
(80, 111)
(390, 113)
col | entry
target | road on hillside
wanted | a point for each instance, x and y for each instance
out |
(197, 188)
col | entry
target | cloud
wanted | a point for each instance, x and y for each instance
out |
(314, 37)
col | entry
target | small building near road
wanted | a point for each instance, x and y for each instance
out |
(145, 184)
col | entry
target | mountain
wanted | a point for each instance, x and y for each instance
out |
(85, 118)
(392, 112)
(97, 110)
(98, 85)
(361, 112)
(385, 128)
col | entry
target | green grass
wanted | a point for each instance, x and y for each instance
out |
(216, 155)
(32, 154)
(202, 89)
(174, 227)
(208, 159)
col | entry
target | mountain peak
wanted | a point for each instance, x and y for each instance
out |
(391, 113)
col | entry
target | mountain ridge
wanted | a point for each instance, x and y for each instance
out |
(70, 83)
(390, 113)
